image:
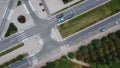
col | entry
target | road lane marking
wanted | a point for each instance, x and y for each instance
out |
(4, 12)
(10, 14)
(41, 42)
(26, 8)
(31, 6)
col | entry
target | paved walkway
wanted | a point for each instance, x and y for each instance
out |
(80, 62)
(56, 5)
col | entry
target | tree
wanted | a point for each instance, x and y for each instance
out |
(96, 43)
(102, 60)
(66, 1)
(94, 65)
(105, 39)
(79, 55)
(90, 47)
(100, 52)
(71, 55)
(83, 49)
(118, 33)
(50, 65)
(112, 36)
(63, 59)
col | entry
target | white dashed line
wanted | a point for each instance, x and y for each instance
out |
(4, 12)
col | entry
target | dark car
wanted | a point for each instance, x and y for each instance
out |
(59, 16)
(69, 16)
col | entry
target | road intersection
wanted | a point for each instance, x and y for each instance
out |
(43, 27)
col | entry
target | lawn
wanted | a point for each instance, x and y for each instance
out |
(11, 30)
(68, 64)
(63, 62)
(115, 65)
(89, 18)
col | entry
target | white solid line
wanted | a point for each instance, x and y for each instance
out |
(10, 14)
(26, 8)
(23, 40)
(4, 12)
(41, 41)
(21, 31)
(31, 6)
(51, 36)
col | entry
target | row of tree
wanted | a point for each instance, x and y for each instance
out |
(101, 51)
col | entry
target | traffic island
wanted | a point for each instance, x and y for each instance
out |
(11, 30)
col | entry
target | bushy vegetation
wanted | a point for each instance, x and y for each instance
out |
(11, 30)
(19, 3)
(63, 62)
(66, 1)
(18, 58)
(71, 55)
(101, 51)
(11, 49)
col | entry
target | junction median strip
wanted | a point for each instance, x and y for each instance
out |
(89, 18)
(18, 58)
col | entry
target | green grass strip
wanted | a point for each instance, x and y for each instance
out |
(11, 49)
(18, 58)
(89, 18)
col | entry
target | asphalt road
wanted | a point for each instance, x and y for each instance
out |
(93, 30)
(5, 16)
(43, 27)
(11, 5)
(80, 8)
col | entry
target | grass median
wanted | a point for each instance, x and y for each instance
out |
(11, 49)
(89, 18)
(18, 58)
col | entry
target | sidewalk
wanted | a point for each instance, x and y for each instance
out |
(80, 62)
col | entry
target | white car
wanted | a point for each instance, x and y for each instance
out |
(117, 22)
(103, 29)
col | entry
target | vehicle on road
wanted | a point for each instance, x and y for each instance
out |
(103, 29)
(69, 16)
(59, 16)
(61, 20)
(118, 22)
